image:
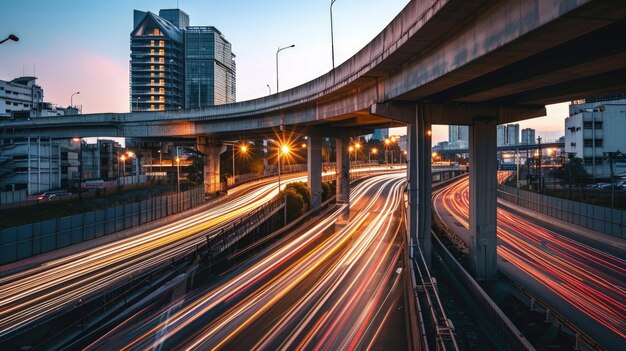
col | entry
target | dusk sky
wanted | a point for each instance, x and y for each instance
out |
(74, 45)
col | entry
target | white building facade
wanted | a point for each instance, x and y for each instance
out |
(594, 130)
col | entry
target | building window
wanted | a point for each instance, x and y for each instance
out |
(151, 42)
(161, 81)
(161, 42)
(588, 160)
(161, 107)
(161, 68)
(587, 125)
(572, 144)
(161, 59)
(598, 125)
(152, 107)
(152, 81)
(151, 59)
(162, 98)
(162, 90)
(156, 31)
(151, 98)
(588, 142)
(161, 52)
(152, 68)
(152, 75)
(598, 142)
(152, 90)
(152, 51)
(161, 74)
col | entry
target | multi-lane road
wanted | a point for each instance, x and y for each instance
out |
(37, 293)
(323, 287)
(583, 283)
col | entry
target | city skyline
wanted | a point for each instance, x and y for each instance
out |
(61, 45)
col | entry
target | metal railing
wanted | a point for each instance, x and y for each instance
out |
(507, 331)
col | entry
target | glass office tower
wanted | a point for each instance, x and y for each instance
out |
(209, 68)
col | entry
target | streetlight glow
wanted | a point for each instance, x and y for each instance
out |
(285, 149)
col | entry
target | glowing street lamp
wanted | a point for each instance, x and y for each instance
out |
(369, 156)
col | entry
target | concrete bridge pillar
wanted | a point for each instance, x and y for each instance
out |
(482, 194)
(211, 150)
(343, 175)
(314, 170)
(418, 169)
(425, 178)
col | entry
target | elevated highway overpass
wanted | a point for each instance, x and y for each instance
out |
(479, 63)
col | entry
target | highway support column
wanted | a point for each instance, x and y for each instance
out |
(314, 170)
(343, 177)
(419, 173)
(423, 141)
(482, 196)
(211, 149)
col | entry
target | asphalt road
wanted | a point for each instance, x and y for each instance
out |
(582, 282)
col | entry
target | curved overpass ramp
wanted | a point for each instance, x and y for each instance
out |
(458, 59)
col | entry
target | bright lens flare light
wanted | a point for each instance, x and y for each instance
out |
(285, 149)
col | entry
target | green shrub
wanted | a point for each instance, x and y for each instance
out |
(302, 189)
(295, 204)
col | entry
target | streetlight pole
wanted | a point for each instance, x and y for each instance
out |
(269, 88)
(72, 98)
(137, 104)
(160, 161)
(332, 39)
(12, 37)
(277, 51)
(177, 170)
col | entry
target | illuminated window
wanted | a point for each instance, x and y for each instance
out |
(161, 59)
(161, 42)
(162, 98)
(152, 107)
(152, 81)
(161, 107)
(152, 68)
(162, 90)
(161, 68)
(152, 90)
(161, 52)
(152, 51)
(161, 74)
(151, 98)
(151, 59)
(156, 31)
(161, 81)
(151, 74)
(151, 42)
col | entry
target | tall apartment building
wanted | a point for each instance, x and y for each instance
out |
(174, 65)
(458, 137)
(528, 136)
(593, 130)
(507, 135)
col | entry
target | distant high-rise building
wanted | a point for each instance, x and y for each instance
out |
(458, 136)
(507, 135)
(501, 135)
(174, 65)
(380, 134)
(512, 132)
(209, 68)
(528, 136)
